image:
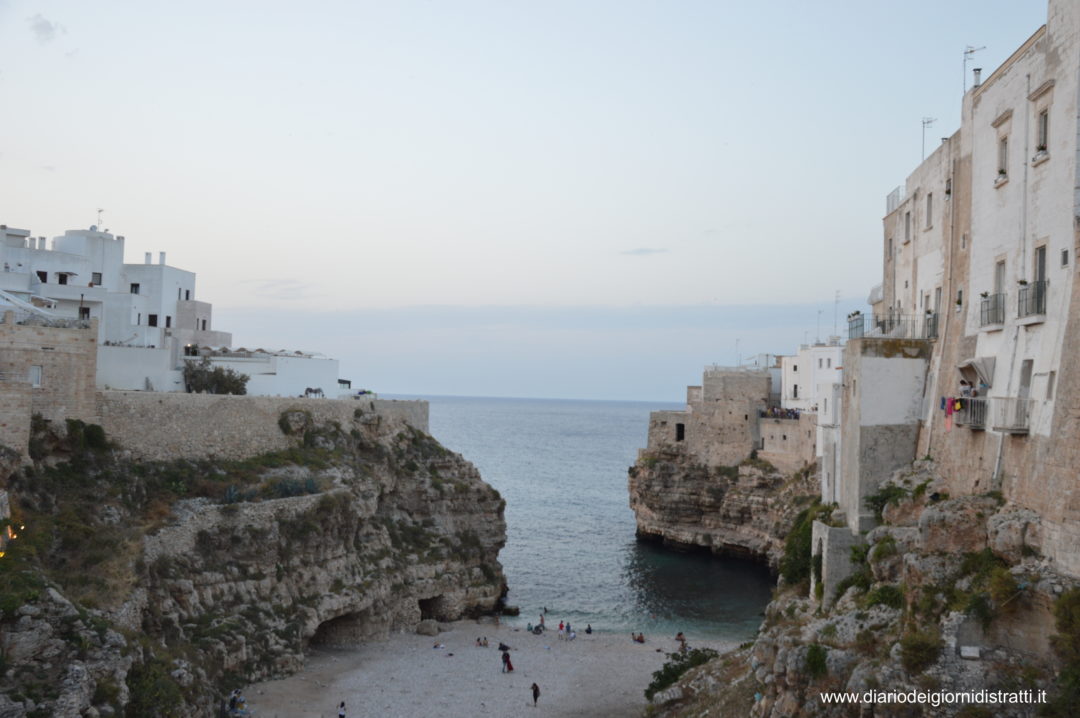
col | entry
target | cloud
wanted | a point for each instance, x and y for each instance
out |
(642, 251)
(286, 290)
(44, 30)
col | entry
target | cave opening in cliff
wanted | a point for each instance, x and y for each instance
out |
(343, 631)
(434, 608)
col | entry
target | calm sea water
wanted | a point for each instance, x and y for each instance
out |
(561, 466)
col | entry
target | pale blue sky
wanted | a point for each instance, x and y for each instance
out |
(364, 157)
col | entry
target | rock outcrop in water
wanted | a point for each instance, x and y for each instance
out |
(150, 588)
(744, 510)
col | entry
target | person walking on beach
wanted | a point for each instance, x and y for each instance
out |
(505, 661)
(536, 693)
(341, 710)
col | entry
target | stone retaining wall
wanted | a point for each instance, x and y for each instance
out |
(161, 426)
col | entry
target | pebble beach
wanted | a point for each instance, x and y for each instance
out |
(406, 677)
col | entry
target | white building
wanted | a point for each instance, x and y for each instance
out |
(810, 374)
(149, 319)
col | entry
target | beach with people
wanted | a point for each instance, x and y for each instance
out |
(409, 675)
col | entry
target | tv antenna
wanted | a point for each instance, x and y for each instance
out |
(100, 210)
(968, 52)
(926, 122)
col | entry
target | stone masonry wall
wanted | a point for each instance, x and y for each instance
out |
(161, 426)
(788, 444)
(68, 361)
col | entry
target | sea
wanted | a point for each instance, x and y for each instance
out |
(571, 547)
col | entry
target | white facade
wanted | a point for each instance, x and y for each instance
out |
(808, 375)
(149, 319)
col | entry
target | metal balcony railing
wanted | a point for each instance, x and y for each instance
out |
(1010, 415)
(972, 413)
(931, 326)
(892, 326)
(1031, 299)
(992, 310)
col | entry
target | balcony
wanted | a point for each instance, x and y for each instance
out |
(992, 310)
(1010, 415)
(892, 326)
(973, 413)
(1031, 300)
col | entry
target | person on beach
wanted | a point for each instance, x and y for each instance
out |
(478, 643)
(536, 693)
(529, 627)
(588, 629)
(341, 710)
(561, 626)
(484, 643)
(509, 665)
(542, 618)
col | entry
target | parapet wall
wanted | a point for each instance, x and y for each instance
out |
(162, 426)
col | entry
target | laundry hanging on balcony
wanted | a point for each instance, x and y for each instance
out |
(980, 369)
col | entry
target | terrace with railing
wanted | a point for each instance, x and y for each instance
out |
(1010, 415)
(1031, 299)
(992, 310)
(973, 413)
(893, 326)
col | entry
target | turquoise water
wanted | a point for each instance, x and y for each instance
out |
(561, 466)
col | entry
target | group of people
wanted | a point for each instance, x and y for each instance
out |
(777, 412)
(637, 638)
(481, 642)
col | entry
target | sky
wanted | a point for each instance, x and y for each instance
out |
(585, 199)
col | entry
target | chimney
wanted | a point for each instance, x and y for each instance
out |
(41, 243)
(978, 76)
(161, 258)
(148, 258)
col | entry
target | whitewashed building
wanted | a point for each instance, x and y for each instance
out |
(149, 319)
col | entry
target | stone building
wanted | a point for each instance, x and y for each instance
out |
(978, 314)
(46, 368)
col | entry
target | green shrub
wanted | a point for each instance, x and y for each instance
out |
(919, 650)
(1066, 644)
(889, 494)
(153, 692)
(886, 595)
(202, 378)
(883, 549)
(817, 661)
(796, 565)
(676, 665)
(1003, 587)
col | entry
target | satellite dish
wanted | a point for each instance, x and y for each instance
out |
(93, 228)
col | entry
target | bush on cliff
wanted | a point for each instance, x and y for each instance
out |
(796, 564)
(1066, 645)
(678, 664)
(919, 650)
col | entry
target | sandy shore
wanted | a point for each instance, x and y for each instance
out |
(597, 675)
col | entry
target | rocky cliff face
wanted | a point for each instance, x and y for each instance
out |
(743, 510)
(149, 588)
(947, 594)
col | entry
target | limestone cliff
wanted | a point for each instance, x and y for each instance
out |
(743, 510)
(946, 594)
(149, 588)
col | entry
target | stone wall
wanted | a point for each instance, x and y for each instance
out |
(788, 444)
(159, 426)
(67, 358)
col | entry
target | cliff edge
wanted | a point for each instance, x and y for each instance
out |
(137, 587)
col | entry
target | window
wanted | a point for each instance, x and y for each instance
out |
(151, 319)
(168, 321)
(35, 377)
(820, 362)
(825, 405)
(889, 254)
(134, 287)
(61, 277)
(680, 432)
(907, 226)
(187, 294)
(84, 312)
(999, 277)
(1042, 130)
(828, 363)
(794, 367)
(1003, 156)
(138, 318)
(1064, 258)
(179, 293)
(204, 325)
(1050, 385)
(929, 210)
(795, 391)
(43, 277)
(95, 278)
